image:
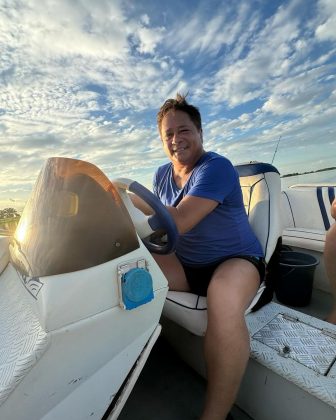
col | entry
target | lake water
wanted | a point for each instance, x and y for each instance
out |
(315, 177)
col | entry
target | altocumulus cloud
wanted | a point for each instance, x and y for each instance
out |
(84, 79)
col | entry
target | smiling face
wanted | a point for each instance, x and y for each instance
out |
(182, 141)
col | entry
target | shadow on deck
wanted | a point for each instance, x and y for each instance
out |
(168, 389)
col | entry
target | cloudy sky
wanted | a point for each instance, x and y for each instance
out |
(84, 79)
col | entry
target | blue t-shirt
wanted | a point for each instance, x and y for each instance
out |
(223, 232)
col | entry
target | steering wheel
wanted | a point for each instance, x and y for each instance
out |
(147, 225)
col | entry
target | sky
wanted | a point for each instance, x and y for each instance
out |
(85, 79)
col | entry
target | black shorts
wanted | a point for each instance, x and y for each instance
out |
(199, 277)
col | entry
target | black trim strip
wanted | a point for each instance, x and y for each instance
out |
(303, 230)
(290, 207)
(322, 208)
(302, 237)
(185, 306)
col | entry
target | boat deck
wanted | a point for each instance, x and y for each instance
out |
(319, 307)
(170, 391)
(174, 391)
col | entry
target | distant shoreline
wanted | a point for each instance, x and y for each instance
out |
(309, 172)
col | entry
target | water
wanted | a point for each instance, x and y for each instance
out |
(315, 177)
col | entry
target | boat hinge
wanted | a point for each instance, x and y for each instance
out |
(329, 333)
(290, 318)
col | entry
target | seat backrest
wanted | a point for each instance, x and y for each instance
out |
(308, 206)
(261, 187)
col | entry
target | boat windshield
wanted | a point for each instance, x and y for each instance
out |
(74, 219)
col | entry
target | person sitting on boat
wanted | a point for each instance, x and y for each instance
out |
(330, 260)
(217, 253)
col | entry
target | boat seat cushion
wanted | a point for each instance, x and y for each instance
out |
(307, 206)
(261, 189)
(306, 215)
(190, 311)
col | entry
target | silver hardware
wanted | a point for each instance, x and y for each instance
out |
(290, 318)
(329, 333)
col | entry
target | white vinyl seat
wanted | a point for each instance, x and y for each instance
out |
(307, 229)
(261, 188)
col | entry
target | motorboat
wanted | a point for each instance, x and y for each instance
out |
(80, 295)
(83, 302)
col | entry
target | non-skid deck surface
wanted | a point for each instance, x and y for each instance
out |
(22, 339)
(284, 340)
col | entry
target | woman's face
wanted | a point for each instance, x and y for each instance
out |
(182, 141)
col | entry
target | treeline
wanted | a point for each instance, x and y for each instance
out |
(9, 219)
(9, 213)
(309, 172)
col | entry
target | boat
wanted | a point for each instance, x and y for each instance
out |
(82, 301)
(80, 296)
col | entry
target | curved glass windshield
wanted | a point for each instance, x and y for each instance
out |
(74, 219)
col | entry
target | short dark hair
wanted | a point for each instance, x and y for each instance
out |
(180, 104)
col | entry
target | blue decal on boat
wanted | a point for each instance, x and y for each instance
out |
(322, 208)
(136, 287)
